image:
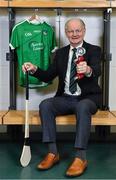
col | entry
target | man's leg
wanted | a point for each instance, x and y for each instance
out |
(49, 109)
(83, 110)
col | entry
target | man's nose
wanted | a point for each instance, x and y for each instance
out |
(75, 33)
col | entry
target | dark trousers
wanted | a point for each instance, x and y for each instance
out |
(83, 109)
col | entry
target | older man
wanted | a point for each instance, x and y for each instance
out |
(77, 67)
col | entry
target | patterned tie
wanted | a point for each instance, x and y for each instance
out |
(73, 72)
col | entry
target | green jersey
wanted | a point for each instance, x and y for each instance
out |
(33, 43)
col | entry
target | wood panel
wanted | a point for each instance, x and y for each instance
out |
(114, 4)
(18, 117)
(3, 3)
(60, 3)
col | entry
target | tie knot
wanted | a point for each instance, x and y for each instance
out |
(74, 50)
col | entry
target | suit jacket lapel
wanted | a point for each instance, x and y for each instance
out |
(86, 48)
(65, 61)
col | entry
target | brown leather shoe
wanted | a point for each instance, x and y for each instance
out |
(77, 167)
(49, 160)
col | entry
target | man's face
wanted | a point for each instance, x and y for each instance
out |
(75, 32)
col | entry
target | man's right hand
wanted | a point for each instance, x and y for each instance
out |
(27, 66)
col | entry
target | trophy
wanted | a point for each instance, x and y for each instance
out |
(80, 51)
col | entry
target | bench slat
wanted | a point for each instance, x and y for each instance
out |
(14, 117)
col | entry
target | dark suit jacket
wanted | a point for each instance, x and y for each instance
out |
(89, 85)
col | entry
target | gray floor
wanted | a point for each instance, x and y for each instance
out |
(101, 157)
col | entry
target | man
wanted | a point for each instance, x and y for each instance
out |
(78, 93)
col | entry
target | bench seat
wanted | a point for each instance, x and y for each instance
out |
(16, 117)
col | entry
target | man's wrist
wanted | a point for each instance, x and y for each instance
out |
(34, 70)
(89, 72)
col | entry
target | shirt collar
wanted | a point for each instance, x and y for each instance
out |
(80, 45)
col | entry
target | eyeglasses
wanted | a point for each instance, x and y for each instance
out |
(75, 31)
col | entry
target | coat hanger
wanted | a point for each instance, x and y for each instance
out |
(34, 16)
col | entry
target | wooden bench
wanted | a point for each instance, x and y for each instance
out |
(2, 113)
(14, 117)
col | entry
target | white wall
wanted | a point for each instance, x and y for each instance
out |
(112, 88)
(94, 24)
(4, 70)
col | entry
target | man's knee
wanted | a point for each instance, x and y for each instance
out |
(86, 105)
(45, 104)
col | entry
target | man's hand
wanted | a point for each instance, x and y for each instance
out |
(29, 67)
(82, 67)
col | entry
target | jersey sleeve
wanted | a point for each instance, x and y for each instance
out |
(14, 42)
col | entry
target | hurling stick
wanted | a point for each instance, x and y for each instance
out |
(26, 152)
